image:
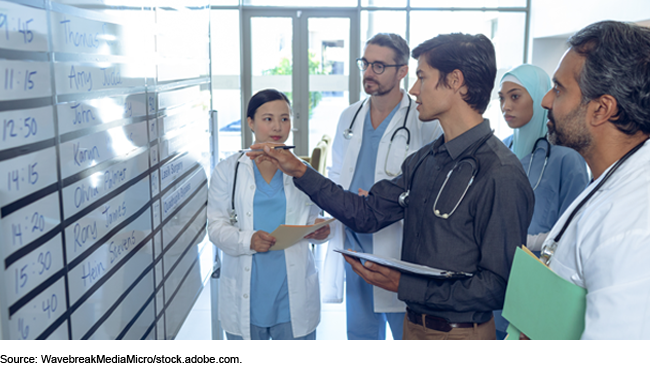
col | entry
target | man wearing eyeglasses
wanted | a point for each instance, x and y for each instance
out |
(373, 138)
(465, 200)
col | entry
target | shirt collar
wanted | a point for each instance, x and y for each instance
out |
(460, 144)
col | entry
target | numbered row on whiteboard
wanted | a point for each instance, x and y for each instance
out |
(31, 79)
(25, 28)
(27, 126)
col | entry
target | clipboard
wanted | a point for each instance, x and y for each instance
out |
(542, 304)
(407, 267)
(288, 235)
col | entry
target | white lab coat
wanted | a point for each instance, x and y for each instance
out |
(388, 241)
(234, 241)
(606, 248)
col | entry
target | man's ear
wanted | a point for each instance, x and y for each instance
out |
(402, 71)
(602, 110)
(455, 80)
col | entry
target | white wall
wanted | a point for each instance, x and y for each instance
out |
(564, 17)
(553, 21)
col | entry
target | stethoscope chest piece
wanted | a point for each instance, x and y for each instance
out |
(233, 217)
(347, 133)
(403, 199)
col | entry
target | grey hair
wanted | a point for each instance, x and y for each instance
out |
(617, 63)
(394, 42)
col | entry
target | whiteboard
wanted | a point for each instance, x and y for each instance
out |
(103, 155)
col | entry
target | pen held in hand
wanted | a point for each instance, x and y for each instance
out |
(275, 148)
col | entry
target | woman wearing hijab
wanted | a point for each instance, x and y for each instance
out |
(557, 174)
(556, 180)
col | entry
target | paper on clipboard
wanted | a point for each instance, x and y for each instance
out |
(407, 267)
(287, 235)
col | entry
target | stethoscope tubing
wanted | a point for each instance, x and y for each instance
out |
(347, 133)
(532, 155)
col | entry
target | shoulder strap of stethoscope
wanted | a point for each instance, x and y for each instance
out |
(406, 117)
(356, 114)
(234, 183)
(594, 190)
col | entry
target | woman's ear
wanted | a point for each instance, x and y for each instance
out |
(250, 123)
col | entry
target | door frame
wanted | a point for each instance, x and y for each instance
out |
(300, 73)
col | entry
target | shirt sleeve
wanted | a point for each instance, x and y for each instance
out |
(362, 214)
(504, 210)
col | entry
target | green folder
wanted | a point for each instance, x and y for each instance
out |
(540, 303)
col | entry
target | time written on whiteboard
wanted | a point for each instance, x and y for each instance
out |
(22, 79)
(21, 128)
(25, 126)
(23, 28)
(27, 174)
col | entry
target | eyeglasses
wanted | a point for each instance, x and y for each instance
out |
(377, 67)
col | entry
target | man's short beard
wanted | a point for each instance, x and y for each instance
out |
(572, 133)
(380, 91)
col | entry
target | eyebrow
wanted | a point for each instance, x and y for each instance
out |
(557, 83)
(511, 90)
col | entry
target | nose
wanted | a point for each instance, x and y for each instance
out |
(547, 101)
(276, 125)
(369, 71)
(505, 106)
(415, 88)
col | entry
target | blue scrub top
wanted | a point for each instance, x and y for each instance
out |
(269, 296)
(564, 178)
(364, 175)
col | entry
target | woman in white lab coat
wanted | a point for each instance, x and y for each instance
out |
(263, 293)
(392, 151)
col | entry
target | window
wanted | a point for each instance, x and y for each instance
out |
(505, 29)
(416, 23)
(226, 94)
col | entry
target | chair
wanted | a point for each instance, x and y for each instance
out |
(318, 158)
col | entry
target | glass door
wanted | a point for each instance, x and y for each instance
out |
(307, 55)
(268, 58)
(329, 74)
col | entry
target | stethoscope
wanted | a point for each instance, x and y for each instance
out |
(532, 155)
(233, 213)
(347, 134)
(549, 250)
(471, 160)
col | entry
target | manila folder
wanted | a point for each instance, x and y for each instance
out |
(287, 236)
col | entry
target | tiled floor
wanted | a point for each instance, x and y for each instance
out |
(197, 326)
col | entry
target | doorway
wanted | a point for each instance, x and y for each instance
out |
(310, 56)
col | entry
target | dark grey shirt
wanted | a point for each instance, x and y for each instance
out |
(479, 237)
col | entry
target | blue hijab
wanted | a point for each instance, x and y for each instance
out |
(537, 82)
